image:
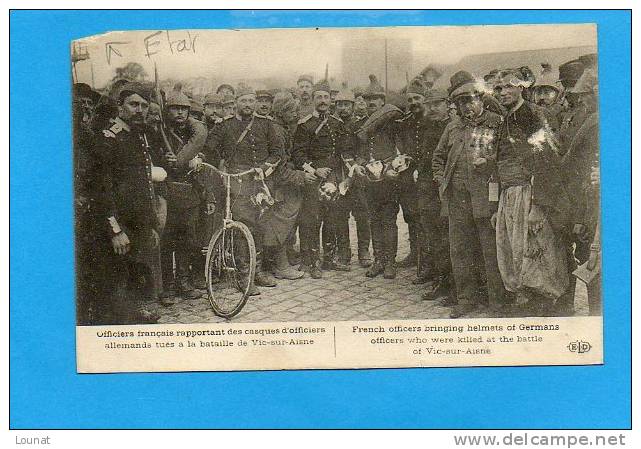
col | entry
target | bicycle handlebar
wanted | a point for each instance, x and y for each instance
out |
(222, 173)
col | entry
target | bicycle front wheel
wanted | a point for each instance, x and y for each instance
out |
(229, 269)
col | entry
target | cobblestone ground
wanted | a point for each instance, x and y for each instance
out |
(338, 296)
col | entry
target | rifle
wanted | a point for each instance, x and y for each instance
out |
(159, 98)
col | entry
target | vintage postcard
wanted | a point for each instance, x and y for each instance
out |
(266, 199)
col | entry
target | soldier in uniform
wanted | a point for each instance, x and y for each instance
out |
(581, 147)
(463, 165)
(360, 105)
(321, 147)
(181, 243)
(84, 100)
(377, 139)
(225, 90)
(264, 100)
(213, 109)
(354, 200)
(285, 117)
(124, 216)
(412, 131)
(247, 141)
(572, 118)
(229, 106)
(435, 252)
(533, 212)
(332, 95)
(304, 87)
(286, 114)
(197, 110)
(281, 220)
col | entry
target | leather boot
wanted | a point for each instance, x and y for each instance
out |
(440, 289)
(341, 266)
(293, 256)
(186, 289)
(263, 278)
(376, 269)
(423, 277)
(364, 257)
(282, 270)
(315, 271)
(390, 270)
(253, 290)
(168, 295)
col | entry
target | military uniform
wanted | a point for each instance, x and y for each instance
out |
(382, 197)
(579, 136)
(354, 202)
(280, 219)
(246, 143)
(411, 140)
(465, 200)
(86, 275)
(583, 155)
(319, 141)
(435, 249)
(533, 197)
(305, 109)
(123, 200)
(184, 209)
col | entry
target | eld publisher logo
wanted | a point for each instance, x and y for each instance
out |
(580, 347)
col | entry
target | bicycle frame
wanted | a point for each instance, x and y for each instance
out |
(227, 176)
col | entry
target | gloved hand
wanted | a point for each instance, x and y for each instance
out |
(120, 243)
(323, 172)
(195, 162)
(359, 170)
(310, 178)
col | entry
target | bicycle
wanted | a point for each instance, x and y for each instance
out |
(230, 264)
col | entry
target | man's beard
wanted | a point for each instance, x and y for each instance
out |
(246, 112)
(137, 119)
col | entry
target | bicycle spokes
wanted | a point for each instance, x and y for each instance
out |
(231, 267)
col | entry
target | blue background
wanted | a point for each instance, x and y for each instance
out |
(45, 390)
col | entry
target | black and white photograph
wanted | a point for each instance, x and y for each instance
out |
(337, 175)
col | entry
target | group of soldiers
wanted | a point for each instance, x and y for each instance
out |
(497, 178)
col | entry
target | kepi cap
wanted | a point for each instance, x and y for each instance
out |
(175, 98)
(134, 87)
(212, 98)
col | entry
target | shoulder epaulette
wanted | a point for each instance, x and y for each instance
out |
(267, 117)
(304, 119)
(403, 119)
(115, 129)
(361, 119)
(228, 117)
(337, 118)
